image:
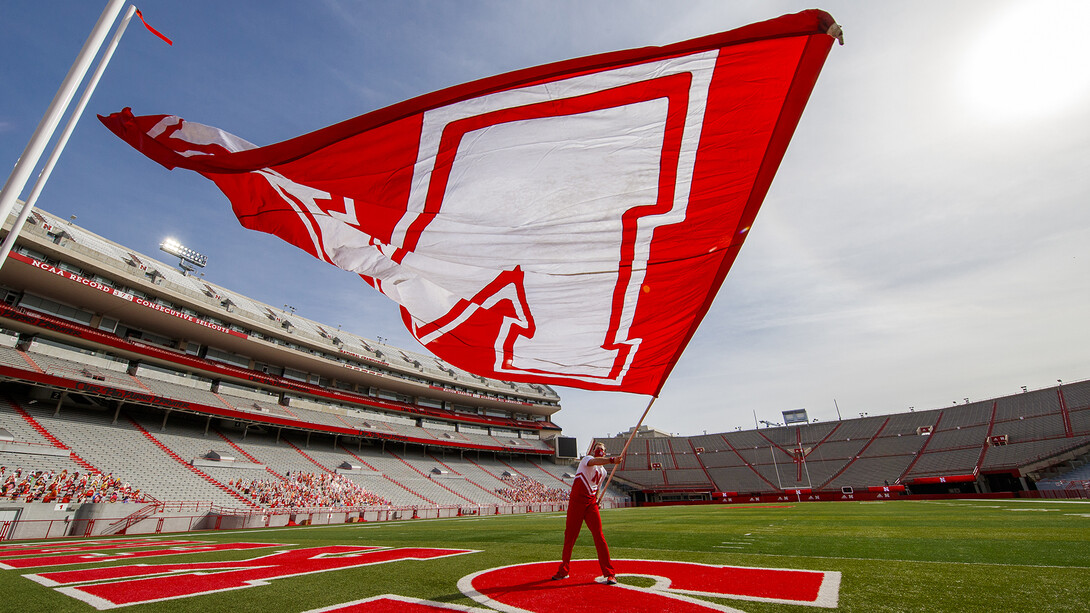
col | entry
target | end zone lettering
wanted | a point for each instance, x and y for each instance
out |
(109, 587)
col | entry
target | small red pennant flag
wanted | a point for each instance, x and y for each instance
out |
(153, 30)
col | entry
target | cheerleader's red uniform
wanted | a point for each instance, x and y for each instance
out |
(583, 507)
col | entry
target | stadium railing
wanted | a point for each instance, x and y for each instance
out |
(181, 517)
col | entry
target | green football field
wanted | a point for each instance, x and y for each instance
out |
(949, 555)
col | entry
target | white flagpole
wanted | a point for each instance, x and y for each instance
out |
(52, 118)
(43, 177)
(602, 490)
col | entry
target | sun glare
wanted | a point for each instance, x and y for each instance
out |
(1031, 60)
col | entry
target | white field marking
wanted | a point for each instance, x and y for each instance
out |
(104, 539)
(406, 599)
(971, 503)
(1004, 508)
(1077, 514)
(1004, 564)
(728, 546)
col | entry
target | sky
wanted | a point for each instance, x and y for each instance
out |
(926, 239)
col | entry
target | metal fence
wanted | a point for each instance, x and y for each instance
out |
(180, 517)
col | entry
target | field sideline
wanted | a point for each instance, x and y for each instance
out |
(950, 555)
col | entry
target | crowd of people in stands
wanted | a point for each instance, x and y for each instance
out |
(299, 490)
(525, 489)
(20, 485)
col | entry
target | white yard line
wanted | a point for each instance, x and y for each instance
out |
(784, 555)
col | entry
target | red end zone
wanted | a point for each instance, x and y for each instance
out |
(518, 588)
(117, 586)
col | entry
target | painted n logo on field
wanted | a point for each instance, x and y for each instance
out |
(527, 587)
(138, 584)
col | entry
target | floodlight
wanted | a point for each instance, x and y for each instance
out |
(184, 253)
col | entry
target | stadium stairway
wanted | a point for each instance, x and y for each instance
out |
(307, 456)
(389, 478)
(30, 361)
(856, 456)
(465, 478)
(249, 457)
(249, 503)
(700, 463)
(361, 460)
(749, 466)
(408, 489)
(923, 449)
(240, 450)
(436, 482)
(488, 473)
(136, 380)
(984, 448)
(343, 421)
(224, 401)
(514, 470)
(542, 469)
(123, 524)
(494, 475)
(47, 435)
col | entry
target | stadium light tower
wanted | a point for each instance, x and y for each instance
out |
(184, 254)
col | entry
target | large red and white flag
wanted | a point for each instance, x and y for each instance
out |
(567, 224)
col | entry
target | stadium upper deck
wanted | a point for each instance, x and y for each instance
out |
(84, 300)
(1000, 444)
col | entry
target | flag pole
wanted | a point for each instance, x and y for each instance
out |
(602, 491)
(58, 148)
(52, 118)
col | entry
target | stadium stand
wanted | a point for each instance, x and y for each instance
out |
(115, 363)
(1005, 444)
(1076, 480)
(212, 405)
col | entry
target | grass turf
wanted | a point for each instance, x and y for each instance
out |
(893, 555)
